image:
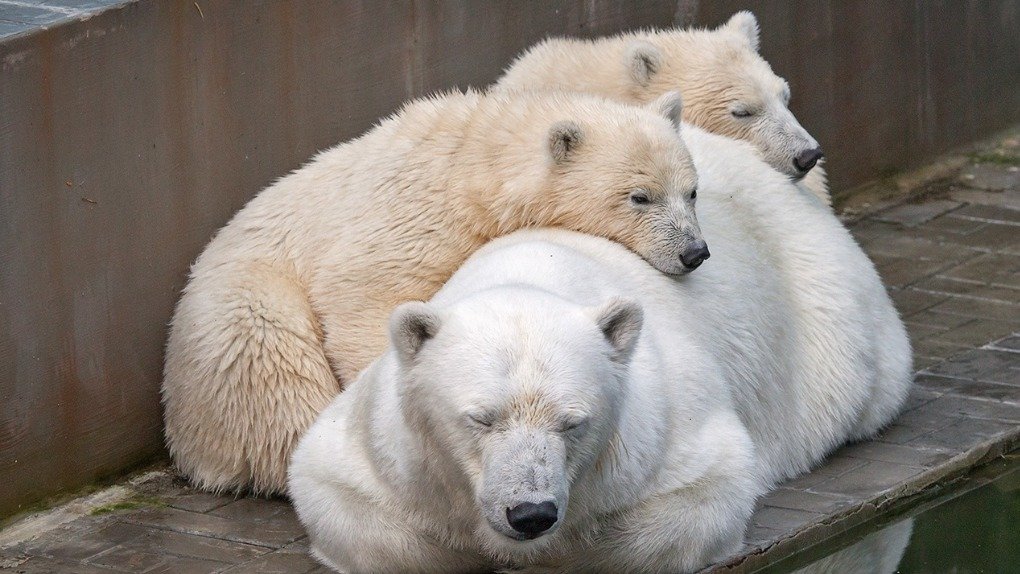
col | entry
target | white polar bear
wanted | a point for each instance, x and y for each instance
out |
(529, 426)
(727, 87)
(424, 463)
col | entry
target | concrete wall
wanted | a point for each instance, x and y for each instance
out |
(127, 138)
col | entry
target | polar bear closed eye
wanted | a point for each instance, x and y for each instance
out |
(727, 87)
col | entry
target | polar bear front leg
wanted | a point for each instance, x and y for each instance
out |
(359, 537)
(682, 531)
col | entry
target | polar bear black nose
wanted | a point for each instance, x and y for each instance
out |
(695, 255)
(532, 519)
(807, 159)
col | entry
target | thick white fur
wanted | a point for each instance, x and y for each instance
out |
(395, 477)
(293, 293)
(788, 320)
(716, 71)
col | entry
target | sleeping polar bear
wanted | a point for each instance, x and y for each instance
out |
(560, 404)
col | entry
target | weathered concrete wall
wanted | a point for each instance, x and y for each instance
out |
(126, 139)
(887, 84)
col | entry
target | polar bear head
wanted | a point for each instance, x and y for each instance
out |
(727, 87)
(516, 394)
(623, 172)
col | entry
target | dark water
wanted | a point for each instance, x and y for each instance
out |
(973, 528)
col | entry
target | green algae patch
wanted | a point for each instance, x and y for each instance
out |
(133, 503)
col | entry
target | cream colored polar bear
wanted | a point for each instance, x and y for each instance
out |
(727, 87)
(293, 293)
(531, 418)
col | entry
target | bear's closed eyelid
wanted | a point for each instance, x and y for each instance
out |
(574, 424)
(480, 418)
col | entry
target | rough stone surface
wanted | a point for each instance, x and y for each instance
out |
(952, 264)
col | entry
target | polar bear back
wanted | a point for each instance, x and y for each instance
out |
(789, 305)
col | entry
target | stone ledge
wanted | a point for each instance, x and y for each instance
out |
(23, 17)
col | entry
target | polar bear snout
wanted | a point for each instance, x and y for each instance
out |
(806, 159)
(695, 254)
(530, 519)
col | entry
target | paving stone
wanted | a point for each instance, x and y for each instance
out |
(199, 501)
(128, 560)
(909, 301)
(784, 519)
(261, 534)
(871, 232)
(964, 434)
(924, 363)
(898, 433)
(276, 563)
(759, 537)
(186, 566)
(918, 396)
(43, 565)
(912, 214)
(807, 501)
(1007, 198)
(257, 510)
(918, 332)
(870, 480)
(975, 389)
(945, 227)
(886, 452)
(979, 364)
(932, 347)
(168, 542)
(964, 407)
(1011, 343)
(987, 213)
(943, 321)
(989, 176)
(986, 268)
(925, 418)
(901, 272)
(980, 309)
(975, 333)
(82, 538)
(994, 237)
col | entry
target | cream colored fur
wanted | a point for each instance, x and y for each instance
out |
(716, 71)
(289, 300)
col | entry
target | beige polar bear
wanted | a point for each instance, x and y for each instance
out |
(293, 293)
(727, 87)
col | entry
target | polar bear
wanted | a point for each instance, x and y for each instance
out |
(290, 298)
(812, 347)
(438, 458)
(726, 85)
(522, 425)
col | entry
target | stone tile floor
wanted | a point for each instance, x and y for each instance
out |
(951, 259)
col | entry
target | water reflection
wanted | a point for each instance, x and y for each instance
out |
(973, 528)
(877, 553)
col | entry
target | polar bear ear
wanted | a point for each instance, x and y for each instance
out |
(620, 321)
(745, 24)
(564, 138)
(643, 61)
(411, 325)
(669, 105)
